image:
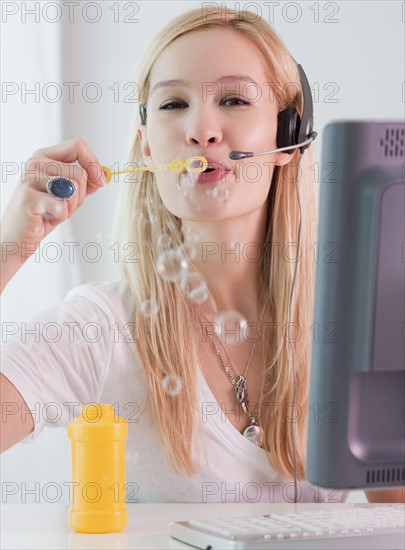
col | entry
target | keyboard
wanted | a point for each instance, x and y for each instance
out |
(371, 527)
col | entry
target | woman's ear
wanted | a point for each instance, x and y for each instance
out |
(145, 150)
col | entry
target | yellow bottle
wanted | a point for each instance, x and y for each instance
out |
(98, 470)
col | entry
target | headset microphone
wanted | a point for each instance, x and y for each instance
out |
(292, 131)
(236, 155)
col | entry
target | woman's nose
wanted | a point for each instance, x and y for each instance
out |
(203, 127)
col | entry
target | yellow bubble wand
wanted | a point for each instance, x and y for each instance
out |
(64, 188)
(176, 165)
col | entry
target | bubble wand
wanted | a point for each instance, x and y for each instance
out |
(65, 188)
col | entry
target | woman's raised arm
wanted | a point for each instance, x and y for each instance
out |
(32, 212)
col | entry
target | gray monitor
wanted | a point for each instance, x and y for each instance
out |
(356, 426)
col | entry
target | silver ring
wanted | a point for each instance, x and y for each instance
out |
(62, 189)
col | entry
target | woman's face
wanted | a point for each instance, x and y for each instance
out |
(226, 103)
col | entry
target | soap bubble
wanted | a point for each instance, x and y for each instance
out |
(194, 287)
(172, 385)
(164, 241)
(39, 231)
(204, 197)
(186, 182)
(41, 207)
(189, 250)
(56, 212)
(171, 264)
(230, 326)
(146, 215)
(139, 217)
(103, 237)
(132, 456)
(149, 308)
(190, 236)
(199, 294)
(219, 193)
(153, 219)
(148, 202)
(191, 241)
(57, 208)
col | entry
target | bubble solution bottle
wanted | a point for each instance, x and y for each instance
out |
(98, 470)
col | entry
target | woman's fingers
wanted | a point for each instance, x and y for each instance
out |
(32, 212)
(51, 161)
(72, 151)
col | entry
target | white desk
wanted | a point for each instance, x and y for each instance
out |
(45, 526)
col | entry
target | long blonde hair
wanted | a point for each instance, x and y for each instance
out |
(166, 342)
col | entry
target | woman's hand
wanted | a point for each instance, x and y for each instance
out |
(32, 213)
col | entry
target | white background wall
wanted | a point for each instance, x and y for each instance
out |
(359, 58)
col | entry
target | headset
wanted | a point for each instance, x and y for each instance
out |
(293, 132)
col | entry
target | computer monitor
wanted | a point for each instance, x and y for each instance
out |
(356, 426)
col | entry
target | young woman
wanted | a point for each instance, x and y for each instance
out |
(210, 83)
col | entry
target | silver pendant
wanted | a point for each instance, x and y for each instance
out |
(241, 391)
(254, 434)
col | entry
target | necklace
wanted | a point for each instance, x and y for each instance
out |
(253, 432)
(241, 384)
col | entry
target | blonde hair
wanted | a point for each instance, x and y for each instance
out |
(166, 342)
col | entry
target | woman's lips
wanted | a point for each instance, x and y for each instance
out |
(213, 176)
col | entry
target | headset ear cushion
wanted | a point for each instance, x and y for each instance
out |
(142, 112)
(288, 128)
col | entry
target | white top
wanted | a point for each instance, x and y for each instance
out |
(81, 351)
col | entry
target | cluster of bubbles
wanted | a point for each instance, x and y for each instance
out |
(203, 196)
(173, 260)
(172, 265)
(144, 219)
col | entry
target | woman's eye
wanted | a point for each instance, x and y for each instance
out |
(229, 101)
(169, 106)
(241, 101)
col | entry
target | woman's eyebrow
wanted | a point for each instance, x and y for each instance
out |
(168, 83)
(181, 83)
